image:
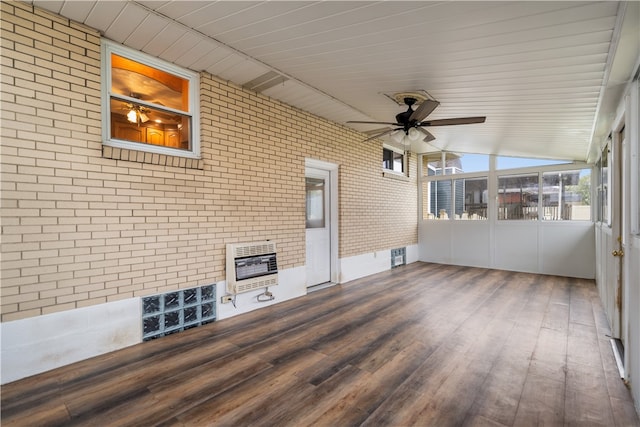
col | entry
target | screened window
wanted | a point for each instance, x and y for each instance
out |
(471, 196)
(151, 105)
(518, 197)
(566, 195)
(437, 199)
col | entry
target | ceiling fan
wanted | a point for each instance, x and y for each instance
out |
(415, 119)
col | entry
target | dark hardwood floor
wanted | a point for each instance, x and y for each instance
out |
(421, 345)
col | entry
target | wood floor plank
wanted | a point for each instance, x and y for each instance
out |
(419, 345)
(587, 401)
(541, 403)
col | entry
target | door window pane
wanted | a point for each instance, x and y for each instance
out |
(603, 188)
(315, 203)
(518, 197)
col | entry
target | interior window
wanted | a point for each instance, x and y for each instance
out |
(152, 106)
(393, 160)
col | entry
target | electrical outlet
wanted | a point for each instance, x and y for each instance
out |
(225, 299)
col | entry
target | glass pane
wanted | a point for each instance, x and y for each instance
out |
(474, 162)
(518, 197)
(437, 200)
(136, 80)
(603, 191)
(392, 160)
(566, 194)
(471, 198)
(433, 165)
(520, 162)
(315, 203)
(138, 123)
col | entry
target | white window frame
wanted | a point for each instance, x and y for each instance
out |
(405, 165)
(107, 48)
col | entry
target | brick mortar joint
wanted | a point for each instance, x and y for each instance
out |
(115, 153)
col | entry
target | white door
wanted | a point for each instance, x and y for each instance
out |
(318, 224)
(618, 234)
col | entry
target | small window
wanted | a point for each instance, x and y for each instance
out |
(315, 202)
(393, 160)
(518, 197)
(148, 105)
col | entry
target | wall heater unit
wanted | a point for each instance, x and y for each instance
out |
(251, 266)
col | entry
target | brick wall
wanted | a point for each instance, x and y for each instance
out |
(82, 228)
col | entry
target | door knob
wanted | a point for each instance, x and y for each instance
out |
(618, 253)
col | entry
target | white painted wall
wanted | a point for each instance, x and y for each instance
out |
(41, 343)
(558, 248)
(355, 267)
(291, 284)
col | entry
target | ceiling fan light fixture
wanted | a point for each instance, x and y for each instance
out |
(132, 116)
(413, 134)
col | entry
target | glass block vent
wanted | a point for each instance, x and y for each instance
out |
(398, 257)
(175, 311)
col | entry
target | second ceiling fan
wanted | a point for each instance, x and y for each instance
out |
(415, 119)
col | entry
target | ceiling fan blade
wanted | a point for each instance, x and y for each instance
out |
(449, 122)
(427, 106)
(375, 123)
(378, 135)
(428, 135)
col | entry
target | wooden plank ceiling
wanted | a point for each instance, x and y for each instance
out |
(537, 70)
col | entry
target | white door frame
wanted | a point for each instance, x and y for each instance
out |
(332, 168)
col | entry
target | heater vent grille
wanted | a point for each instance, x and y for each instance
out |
(398, 257)
(253, 249)
(251, 266)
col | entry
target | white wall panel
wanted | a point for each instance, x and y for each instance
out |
(516, 247)
(563, 249)
(434, 241)
(38, 344)
(475, 251)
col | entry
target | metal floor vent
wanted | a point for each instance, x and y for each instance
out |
(172, 312)
(398, 257)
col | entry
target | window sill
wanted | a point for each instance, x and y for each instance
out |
(116, 153)
(395, 175)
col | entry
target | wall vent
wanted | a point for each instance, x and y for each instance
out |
(398, 257)
(172, 312)
(251, 266)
